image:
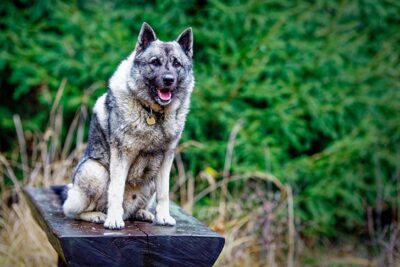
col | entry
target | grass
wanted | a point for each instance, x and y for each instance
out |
(22, 242)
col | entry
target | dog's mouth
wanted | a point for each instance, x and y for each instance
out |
(165, 95)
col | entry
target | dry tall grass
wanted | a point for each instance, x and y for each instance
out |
(22, 242)
(45, 162)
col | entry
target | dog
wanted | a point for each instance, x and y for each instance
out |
(134, 131)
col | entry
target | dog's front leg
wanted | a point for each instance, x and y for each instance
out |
(162, 191)
(119, 168)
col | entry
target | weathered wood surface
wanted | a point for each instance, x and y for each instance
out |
(78, 243)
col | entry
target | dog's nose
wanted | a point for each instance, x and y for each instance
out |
(168, 79)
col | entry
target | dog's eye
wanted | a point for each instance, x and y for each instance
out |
(155, 61)
(176, 63)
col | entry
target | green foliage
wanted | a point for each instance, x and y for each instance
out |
(317, 85)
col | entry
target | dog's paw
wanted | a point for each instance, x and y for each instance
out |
(99, 218)
(164, 219)
(92, 216)
(144, 215)
(114, 223)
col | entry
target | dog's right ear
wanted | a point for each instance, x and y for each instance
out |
(185, 40)
(146, 37)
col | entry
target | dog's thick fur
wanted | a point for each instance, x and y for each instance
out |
(127, 161)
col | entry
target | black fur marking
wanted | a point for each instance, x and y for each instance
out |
(98, 147)
(168, 48)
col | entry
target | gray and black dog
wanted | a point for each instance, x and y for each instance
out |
(134, 131)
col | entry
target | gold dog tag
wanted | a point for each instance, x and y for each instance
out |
(151, 120)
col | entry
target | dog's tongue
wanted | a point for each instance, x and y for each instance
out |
(164, 94)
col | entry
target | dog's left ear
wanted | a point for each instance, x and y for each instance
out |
(146, 37)
(185, 40)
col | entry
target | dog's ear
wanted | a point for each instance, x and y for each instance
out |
(146, 37)
(185, 40)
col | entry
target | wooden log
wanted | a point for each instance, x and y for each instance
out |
(78, 243)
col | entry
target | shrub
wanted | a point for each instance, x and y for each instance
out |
(315, 83)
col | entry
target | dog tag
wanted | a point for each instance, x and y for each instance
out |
(151, 120)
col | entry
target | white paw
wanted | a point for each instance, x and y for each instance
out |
(114, 222)
(98, 217)
(164, 219)
(144, 215)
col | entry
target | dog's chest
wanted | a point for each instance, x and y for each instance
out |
(152, 138)
(149, 143)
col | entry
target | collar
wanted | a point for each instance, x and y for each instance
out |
(158, 114)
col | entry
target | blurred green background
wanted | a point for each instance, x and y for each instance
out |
(316, 83)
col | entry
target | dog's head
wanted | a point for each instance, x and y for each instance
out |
(162, 71)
